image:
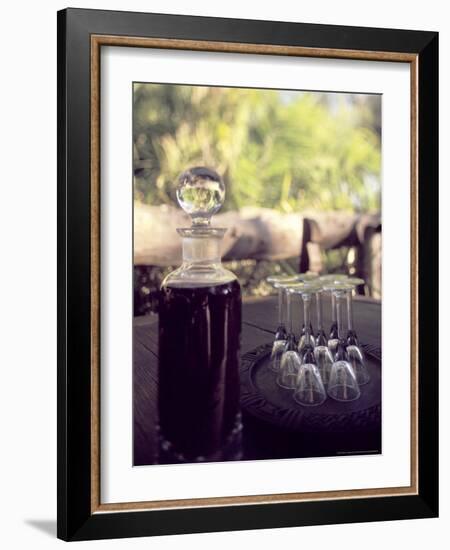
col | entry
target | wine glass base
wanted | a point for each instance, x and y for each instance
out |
(307, 400)
(288, 385)
(343, 393)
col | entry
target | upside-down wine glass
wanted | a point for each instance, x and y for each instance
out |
(355, 354)
(290, 360)
(352, 338)
(307, 277)
(280, 335)
(342, 385)
(309, 389)
(323, 356)
(333, 334)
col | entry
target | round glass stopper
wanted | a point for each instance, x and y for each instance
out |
(200, 193)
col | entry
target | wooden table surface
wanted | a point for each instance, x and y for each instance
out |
(258, 326)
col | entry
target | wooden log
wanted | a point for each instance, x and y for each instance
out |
(253, 233)
(369, 262)
(336, 229)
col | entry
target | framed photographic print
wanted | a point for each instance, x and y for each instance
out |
(247, 255)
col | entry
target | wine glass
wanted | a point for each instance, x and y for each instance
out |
(290, 359)
(354, 351)
(323, 356)
(342, 385)
(306, 336)
(321, 338)
(307, 277)
(279, 282)
(309, 389)
(333, 334)
(281, 334)
(352, 338)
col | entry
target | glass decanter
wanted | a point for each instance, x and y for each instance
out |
(199, 337)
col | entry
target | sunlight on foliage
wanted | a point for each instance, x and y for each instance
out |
(285, 150)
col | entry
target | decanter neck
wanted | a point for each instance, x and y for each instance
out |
(201, 250)
(202, 263)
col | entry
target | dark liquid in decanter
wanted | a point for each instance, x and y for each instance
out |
(199, 346)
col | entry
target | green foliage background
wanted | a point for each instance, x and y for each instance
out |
(277, 149)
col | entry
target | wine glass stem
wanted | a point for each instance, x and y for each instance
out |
(319, 311)
(306, 317)
(350, 310)
(339, 316)
(280, 306)
(288, 312)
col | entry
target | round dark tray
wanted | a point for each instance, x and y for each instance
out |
(263, 398)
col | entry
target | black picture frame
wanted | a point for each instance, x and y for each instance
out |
(76, 519)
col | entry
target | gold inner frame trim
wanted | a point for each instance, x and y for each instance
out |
(97, 41)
